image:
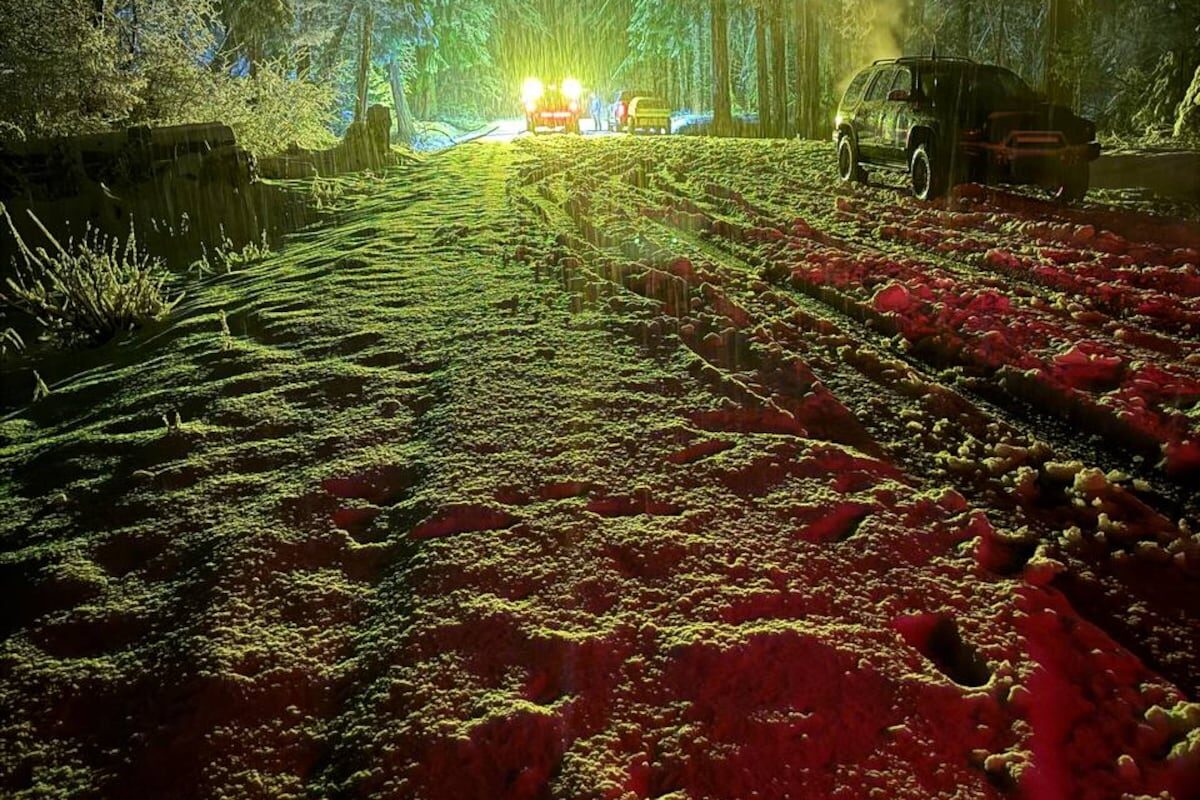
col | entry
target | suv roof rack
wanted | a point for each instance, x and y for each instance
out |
(959, 59)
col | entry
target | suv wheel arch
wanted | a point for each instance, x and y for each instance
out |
(916, 137)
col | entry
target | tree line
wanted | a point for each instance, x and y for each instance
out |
(1126, 64)
(283, 71)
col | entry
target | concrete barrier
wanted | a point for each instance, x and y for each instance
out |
(1169, 174)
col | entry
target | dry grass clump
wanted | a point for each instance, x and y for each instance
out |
(89, 290)
(227, 258)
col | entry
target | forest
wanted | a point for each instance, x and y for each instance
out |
(298, 71)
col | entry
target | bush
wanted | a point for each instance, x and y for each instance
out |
(75, 66)
(90, 290)
(62, 72)
(1141, 102)
(267, 110)
(1187, 121)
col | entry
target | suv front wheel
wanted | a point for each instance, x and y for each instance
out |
(849, 168)
(927, 175)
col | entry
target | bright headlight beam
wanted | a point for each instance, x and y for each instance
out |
(572, 89)
(532, 90)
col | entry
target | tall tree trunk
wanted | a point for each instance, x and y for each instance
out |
(135, 27)
(779, 71)
(673, 92)
(406, 128)
(837, 63)
(914, 29)
(364, 64)
(798, 59)
(684, 78)
(303, 54)
(334, 49)
(808, 67)
(1001, 43)
(669, 69)
(722, 100)
(421, 94)
(1060, 22)
(254, 54)
(765, 123)
(968, 30)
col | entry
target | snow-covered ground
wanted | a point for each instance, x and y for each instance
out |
(626, 467)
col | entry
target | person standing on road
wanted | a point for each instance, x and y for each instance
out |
(597, 109)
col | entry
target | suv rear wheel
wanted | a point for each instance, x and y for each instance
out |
(849, 169)
(1073, 184)
(928, 176)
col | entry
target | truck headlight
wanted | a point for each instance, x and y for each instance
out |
(532, 91)
(572, 89)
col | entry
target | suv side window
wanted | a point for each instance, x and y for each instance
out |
(883, 83)
(904, 80)
(857, 86)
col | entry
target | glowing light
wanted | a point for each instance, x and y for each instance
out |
(572, 89)
(532, 91)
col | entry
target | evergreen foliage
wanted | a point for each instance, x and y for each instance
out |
(283, 71)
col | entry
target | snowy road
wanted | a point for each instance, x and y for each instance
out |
(616, 467)
(506, 130)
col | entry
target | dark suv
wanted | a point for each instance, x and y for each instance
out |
(945, 120)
